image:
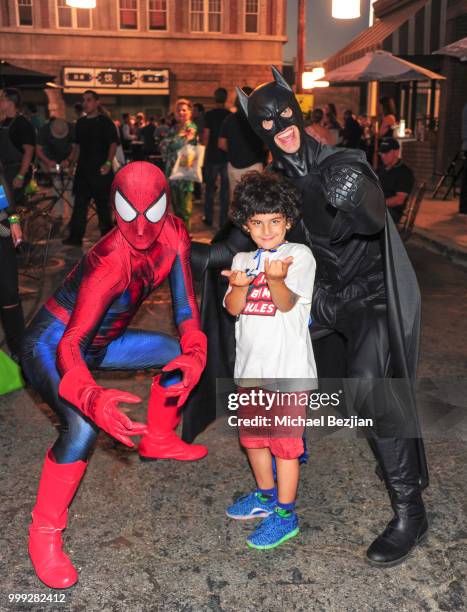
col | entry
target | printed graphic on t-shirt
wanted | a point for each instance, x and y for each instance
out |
(258, 301)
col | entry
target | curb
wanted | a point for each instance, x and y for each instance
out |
(443, 246)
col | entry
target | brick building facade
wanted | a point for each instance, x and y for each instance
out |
(203, 44)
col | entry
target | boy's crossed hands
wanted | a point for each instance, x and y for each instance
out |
(275, 270)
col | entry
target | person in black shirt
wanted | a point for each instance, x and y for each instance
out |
(55, 143)
(17, 142)
(245, 150)
(11, 311)
(215, 161)
(54, 149)
(95, 145)
(352, 132)
(397, 179)
(148, 135)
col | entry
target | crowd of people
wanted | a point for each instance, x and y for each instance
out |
(354, 131)
(233, 148)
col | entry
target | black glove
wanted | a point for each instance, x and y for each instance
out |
(345, 187)
(358, 199)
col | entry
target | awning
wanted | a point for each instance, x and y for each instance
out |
(372, 38)
(15, 76)
(456, 49)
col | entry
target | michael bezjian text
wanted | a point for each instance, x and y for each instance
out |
(299, 421)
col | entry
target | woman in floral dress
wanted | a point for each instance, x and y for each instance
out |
(182, 133)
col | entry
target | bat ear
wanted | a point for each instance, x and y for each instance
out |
(279, 79)
(243, 99)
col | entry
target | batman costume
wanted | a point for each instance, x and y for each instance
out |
(366, 305)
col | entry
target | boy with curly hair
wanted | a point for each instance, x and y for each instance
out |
(269, 293)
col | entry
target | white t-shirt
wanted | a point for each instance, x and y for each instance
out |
(271, 344)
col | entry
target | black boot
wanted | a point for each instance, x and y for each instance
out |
(378, 468)
(398, 459)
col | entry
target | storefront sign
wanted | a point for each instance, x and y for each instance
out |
(149, 81)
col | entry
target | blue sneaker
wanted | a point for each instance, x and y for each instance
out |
(274, 530)
(251, 506)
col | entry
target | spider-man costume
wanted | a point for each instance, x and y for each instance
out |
(84, 325)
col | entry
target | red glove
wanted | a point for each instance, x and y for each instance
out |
(191, 362)
(101, 405)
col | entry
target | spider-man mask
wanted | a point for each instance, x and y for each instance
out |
(140, 200)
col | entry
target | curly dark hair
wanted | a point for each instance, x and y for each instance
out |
(260, 193)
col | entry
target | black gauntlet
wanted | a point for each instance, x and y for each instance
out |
(355, 192)
(345, 187)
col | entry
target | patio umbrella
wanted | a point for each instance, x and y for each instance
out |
(456, 49)
(381, 66)
(14, 76)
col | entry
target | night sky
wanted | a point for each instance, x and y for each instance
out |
(325, 35)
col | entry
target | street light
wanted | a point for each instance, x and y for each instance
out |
(310, 79)
(82, 4)
(346, 9)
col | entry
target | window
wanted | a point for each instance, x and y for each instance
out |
(68, 17)
(214, 15)
(157, 14)
(205, 15)
(128, 14)
(197, 15)
(251, 15)
(64, 15)
(24, 12)
(83, 18)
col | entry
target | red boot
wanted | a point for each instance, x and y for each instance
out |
(161, 441)
(57, 487)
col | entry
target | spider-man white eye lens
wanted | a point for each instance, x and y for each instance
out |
(155, 212)
(124, 208)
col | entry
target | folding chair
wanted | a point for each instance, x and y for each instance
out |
(451, 176)
(407, 221)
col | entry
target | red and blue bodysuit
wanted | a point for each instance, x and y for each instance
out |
(85, 326)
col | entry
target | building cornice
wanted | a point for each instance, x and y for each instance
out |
(142, 35)
(140, 63)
